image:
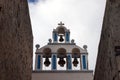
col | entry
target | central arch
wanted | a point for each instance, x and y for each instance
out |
(61, 52)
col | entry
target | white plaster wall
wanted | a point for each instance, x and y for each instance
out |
(62, 75)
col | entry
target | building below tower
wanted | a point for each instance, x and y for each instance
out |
(61, 59)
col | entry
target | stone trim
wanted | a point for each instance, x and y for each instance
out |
(61, 44)
(63, 71)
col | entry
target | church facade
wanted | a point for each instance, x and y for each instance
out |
(61, 59)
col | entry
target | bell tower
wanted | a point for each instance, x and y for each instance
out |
(61, 54)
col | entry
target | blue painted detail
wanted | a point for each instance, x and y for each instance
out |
(54, 59)
(84, 62)
(69, 62)
(67, 37)
(38, 65)
(55, 36)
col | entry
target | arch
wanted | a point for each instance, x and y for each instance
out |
(47, 52)
(61, 30)
(76, 52)
(61, 52)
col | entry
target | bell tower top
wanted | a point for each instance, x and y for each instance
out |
(61, 34)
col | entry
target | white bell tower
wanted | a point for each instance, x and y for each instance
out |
(63, 57)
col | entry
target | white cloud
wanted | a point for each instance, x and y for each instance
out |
(82, 17)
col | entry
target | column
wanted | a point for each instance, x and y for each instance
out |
(55, 37)
(80, 63)
(84, 62)
(69, 62)
(38, 62)
(67, 37)
(54, 61)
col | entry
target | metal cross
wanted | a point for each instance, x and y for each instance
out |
(61, 24)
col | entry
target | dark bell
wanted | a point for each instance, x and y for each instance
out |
(75, 62)
(61, 38)
(61, 62)
(47, 62)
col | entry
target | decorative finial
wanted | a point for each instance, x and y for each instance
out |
(37, 46)
(85, 47)
(72, 41)
(50, 40)
(61, 24)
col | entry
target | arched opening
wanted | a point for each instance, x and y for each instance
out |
(61, 56)
(47, 52)
(75, 52)
(61, 30)
(61, 34)
(61, 52)
(75, 55)
(47, 55)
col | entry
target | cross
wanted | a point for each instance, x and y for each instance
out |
(61, 24)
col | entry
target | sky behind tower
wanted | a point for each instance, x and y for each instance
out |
(83, 18)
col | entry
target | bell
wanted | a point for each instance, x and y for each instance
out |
(61, 62)
(75, 62)
(61, 38)
(47, 62)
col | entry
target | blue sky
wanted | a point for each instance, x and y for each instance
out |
(83, 18)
